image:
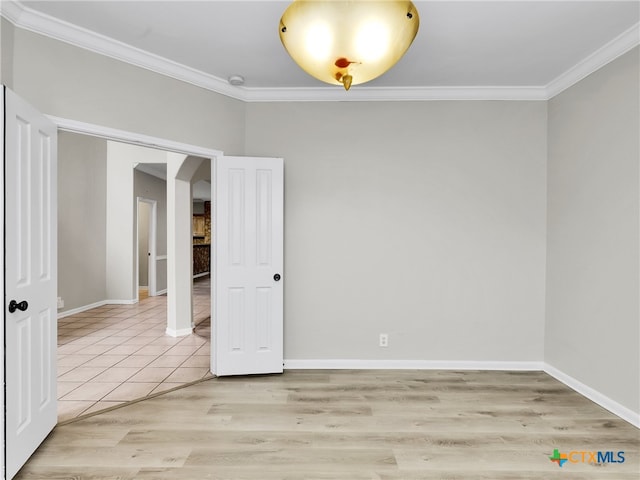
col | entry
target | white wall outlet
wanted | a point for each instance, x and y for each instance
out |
(60, 302)
(384, 340)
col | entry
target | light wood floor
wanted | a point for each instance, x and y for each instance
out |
(352, 425)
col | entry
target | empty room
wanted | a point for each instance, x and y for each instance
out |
(424, 236)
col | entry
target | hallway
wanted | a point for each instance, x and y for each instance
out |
(115, 354)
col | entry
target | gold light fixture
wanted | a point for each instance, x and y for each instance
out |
(348, 42)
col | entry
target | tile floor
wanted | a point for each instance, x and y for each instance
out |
(118, 353)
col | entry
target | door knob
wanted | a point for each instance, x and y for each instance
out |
(22, 306)
(277, 277)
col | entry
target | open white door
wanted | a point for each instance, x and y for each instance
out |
(30, 258)
(247, 332)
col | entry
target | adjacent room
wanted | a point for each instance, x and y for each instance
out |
(112, 348)
(461, 240)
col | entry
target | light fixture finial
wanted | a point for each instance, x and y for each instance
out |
(346, 81)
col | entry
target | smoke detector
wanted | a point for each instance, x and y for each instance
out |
(236, 80)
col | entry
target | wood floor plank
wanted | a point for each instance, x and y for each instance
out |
(78, 435)
(347, 425)
(34, 472)
(276, 439)
(294, 474)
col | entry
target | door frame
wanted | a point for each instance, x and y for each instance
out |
(108, 133)
(151, 257)
(2, 289)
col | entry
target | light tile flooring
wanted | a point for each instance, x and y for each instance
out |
(119, 353)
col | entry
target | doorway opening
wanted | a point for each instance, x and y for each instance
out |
(202, 248)
(113, 352)
(146, 240)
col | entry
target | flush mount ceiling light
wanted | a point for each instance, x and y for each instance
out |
(348, 42)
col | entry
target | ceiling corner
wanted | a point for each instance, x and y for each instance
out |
(598, 59)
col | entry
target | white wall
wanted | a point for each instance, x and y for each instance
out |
(425, 221)
(69, 82)
(180, 174)
(82, 208)
(422, 220)
(6, 52)
(593, 316)
(121, 217)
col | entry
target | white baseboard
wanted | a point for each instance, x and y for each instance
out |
(121, 302)
(352, 364)
(614, 407)
(203, 274)
(101, 303)
(160, 292)
(605, 402)
(73, 311)
(179, 333)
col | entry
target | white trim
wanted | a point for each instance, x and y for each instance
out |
(382, 94)
(151, 244)
(179, 333)
(41, 23)
(84, 308)
(132, 138)
(12, 11)
(161, 292)
(24, 17)
(605, 402)
(131, 301)
(3, 400)
(153, 234)
(160, 257)
(101, 303)
(598, 59)
(354, 364)
(146, 141)
(203, 274)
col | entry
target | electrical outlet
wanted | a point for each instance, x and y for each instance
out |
(384, 340)
(60, 302)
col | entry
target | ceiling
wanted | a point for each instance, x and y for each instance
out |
(201, 190)
(464, 49)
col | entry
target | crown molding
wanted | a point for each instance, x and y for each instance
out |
(598, 59)
(37, 22)
(382, 94)
(11, 11)
(43, 24)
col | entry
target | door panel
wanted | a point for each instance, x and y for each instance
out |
(30, 275)
(248, 331)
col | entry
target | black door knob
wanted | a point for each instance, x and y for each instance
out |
(277, 277)
(22, 306)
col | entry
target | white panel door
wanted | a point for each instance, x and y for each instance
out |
(30, 231)
(247, 334)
